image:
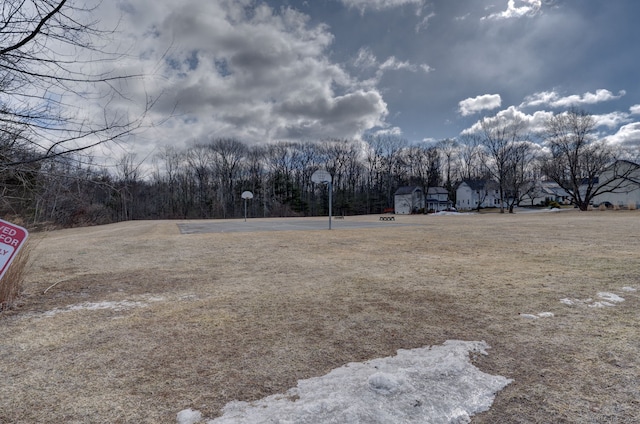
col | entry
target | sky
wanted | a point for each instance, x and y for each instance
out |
(425, 70)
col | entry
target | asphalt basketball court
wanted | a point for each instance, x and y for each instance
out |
(285, 224)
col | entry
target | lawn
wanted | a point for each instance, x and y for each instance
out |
(134, 322)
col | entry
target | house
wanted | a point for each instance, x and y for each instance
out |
(477, 193)
(544, 192)
(438, 199)
(408, 200)
(621, 183)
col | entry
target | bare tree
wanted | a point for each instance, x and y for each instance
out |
(422, 163)
(519, 181)
(227, 159)
(50, 60)
(501, 139)
(281, 159)
(384, 154)
(577, 161)
(469, 163)
(448, 149)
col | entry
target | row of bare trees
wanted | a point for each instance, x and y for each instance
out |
(206, 179)
(566, 151)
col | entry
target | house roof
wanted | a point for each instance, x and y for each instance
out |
(437, 190)
(477, 184)
(406, 190)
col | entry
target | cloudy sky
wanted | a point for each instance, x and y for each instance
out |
(268, 70)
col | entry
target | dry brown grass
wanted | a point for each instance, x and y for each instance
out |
(11, 282)
(245, 315)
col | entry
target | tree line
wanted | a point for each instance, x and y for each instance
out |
(206, 179)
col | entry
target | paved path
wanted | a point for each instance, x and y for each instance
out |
(280, 224)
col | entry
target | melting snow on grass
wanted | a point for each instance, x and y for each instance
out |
(540, 315)
(437, 384)
(93, 306)
(607, 299)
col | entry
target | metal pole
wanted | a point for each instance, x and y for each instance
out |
(330, 202)
(245, 210)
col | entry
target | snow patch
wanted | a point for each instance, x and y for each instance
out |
(610, 297)
(436, 384)
(189, 416)
(629, 289)
(94, 306)
(539, 315)
(600, 304)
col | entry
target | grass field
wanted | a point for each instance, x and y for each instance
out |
(134, 322)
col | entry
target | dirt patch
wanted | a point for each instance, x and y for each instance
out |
(139, 322)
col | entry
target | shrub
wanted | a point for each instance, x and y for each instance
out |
(632, 206)
(11, 282)
(554, 205)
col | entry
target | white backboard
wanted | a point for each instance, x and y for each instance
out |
(321, 176)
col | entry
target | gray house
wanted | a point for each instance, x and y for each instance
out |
(543, 192)
(621, 185)
(438, 199)
(477, 193)
(409, 199)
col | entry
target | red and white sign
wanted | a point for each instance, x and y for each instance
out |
(11, 239)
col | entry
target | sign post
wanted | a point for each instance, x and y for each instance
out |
(323, 177)
(246, 195)
(12, 237)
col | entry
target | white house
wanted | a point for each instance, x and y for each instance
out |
(438, 199)
(408, 200)
(623, 180)
(472, 194)
(545, 191)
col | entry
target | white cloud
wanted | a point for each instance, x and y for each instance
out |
(553, 99)
(611, 120)
(394, 64)
(526, 8)
(238, 68)
(393, 131)
(426, 68)
(534, 123)
(627, 135)
(366, 60)
(635, 110)
(378, 5)
(424, 23)
(477, 104)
